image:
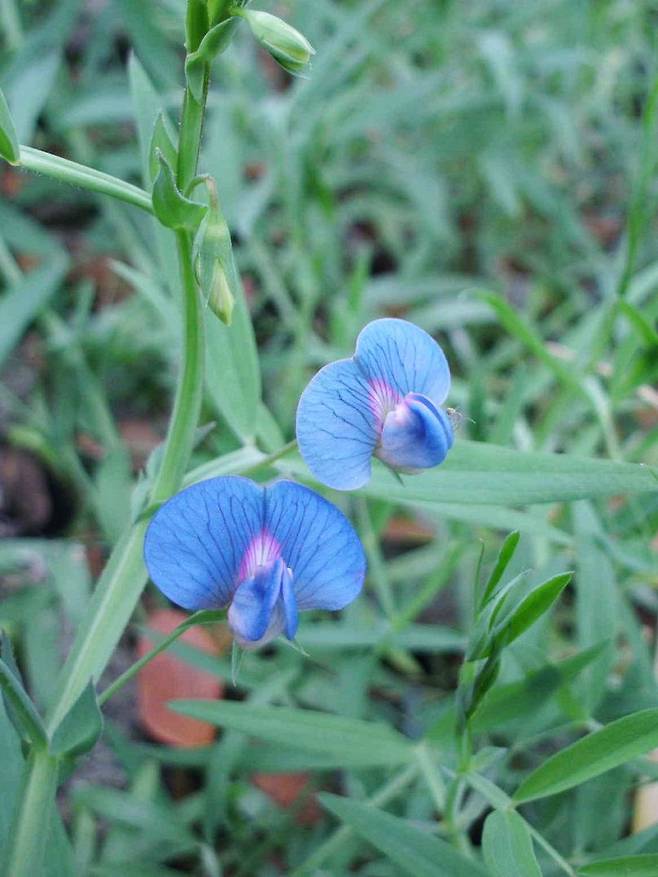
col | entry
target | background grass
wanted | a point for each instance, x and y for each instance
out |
(483, 169)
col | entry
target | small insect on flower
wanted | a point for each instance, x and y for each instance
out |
(384, 401)
(267, 553)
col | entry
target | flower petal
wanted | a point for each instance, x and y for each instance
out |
(416, 434)
(289, 601)
(403, 356)
(195, 543)
(337, 429)
(252, 609)
(319, 545)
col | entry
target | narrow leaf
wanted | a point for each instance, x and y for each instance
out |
(476, 473)
(612, 746)
(415, 852)
(504, 556)
(348, 741)
(645, 865)
(9, 149)
(232, 369)
(531, 608)
(24, 712)
(507, 846)
(516, 700)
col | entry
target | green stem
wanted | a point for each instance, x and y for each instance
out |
(451, 809)
(30, 831)
(187, 401)
(86, 177)
(123, 580)
(190, 135)
(378, 571)
(124, 577)
(272, 458)
(203, 616)
(432, 775)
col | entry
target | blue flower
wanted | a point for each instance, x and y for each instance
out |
(385, 401)
(267, 553)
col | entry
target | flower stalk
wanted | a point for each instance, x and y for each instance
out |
(124, 577)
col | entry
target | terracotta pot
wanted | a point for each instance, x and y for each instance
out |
(167, 677)
(287, 789)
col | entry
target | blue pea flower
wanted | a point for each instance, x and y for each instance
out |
(384, 401)
(267, 553)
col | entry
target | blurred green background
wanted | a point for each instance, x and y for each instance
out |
(484, 169)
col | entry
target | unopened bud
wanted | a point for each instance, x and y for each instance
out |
(220, 297)
(285, 44)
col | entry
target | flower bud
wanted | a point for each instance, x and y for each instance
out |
(220, 297)
(212, 258)
(285, 44)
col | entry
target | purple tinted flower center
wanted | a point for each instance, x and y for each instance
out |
(382, 398)
(262, 551)
(263, 604)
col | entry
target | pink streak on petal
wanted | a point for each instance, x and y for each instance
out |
(382, 399)
(261, 551)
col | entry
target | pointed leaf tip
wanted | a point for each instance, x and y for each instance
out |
(9, 148)
(171, 207)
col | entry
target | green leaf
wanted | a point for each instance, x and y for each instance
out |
(9, 149)
(504, 556)
(645, 865)
(215, 41)
(350, 742)
(24, 300)
(12, 768)
(484, 474)
(23, 713)
(147, 108)
(516, 700)
(170, 206)
(507, 846)
(232, 369)
(415, 852)
(597, 609)
(162, 140)
(612, 746)
(512, 604)
(531, 608)
(81, 726)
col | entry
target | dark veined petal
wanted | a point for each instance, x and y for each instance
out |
(318, 544)
(254, 601)
(289, 605)
(416, 434)
(404, 357)
(337, 427)
(196, 541)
